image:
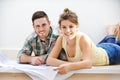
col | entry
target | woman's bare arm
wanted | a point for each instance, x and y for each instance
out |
(52, 58)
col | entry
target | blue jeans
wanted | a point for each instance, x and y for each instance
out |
(112, 47)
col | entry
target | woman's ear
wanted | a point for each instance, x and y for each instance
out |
(78, 26)
(59, 29)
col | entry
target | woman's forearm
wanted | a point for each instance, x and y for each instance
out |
(80, 65)
(54, 62)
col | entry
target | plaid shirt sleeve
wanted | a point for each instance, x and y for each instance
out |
(27, 48)
(52, 43)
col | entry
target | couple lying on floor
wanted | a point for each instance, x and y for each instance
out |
(80, 50)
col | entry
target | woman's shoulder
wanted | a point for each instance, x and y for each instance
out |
(82, 35)
(60, 37)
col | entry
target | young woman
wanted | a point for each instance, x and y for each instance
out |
(80, 50)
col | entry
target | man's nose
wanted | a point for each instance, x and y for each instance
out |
(41, 28)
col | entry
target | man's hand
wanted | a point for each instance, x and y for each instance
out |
(37, 61)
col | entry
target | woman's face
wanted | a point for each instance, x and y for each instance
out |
(68, 29)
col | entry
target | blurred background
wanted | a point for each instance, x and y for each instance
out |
(16, 24)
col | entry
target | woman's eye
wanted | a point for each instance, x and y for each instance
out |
(70, 26)
(63, 27)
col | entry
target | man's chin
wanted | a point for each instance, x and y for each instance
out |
(42, 36)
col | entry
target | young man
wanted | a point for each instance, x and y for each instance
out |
(41, 41)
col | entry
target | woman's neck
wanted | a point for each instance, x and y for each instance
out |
(72, 41)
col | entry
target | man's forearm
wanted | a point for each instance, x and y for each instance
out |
(25, 59)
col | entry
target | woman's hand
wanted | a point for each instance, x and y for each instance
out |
(63, 68)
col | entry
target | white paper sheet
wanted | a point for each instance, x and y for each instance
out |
(41, 72)
(44, 72)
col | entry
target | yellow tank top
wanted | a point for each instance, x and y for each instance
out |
(99, 55)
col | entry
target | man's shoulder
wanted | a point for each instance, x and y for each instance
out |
(55, 32)
(31, 37)
(55, 35)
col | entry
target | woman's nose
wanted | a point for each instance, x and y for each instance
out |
(68, 30)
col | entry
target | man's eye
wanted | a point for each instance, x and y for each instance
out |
(43, 25)
(37, 26)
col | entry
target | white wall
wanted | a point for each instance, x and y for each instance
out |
(16, 25)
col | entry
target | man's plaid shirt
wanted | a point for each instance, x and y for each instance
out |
(39, 47)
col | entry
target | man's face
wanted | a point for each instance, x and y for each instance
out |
(41, 27)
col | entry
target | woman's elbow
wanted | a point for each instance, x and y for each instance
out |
(48, 61)
(89, 64)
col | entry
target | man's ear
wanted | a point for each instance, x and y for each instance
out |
(49, 22)
(33, 26)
